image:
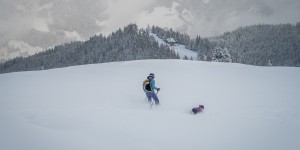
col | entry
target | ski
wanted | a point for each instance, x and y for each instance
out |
(151, 103)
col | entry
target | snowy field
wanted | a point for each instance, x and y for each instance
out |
(103, 107)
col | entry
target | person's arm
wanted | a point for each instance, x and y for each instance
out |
(152, 84)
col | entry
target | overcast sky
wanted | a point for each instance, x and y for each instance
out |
(28, 26)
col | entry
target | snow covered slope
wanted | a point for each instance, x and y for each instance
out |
(103, 107)
(179, 49)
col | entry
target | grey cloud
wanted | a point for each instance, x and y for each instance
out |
(43, 23)
(218, 16)
(78, 15)
(18, 16)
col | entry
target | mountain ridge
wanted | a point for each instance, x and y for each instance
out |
(280, 47)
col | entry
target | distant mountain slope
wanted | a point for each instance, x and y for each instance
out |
(130, 43)
(277, 45)
(260, 44)
(179, 49)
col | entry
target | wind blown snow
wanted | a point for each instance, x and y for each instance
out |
(102, 106)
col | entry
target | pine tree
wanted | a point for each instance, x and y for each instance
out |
(221, 55)
(185, 57)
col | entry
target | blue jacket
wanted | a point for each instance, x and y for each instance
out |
(152, 83)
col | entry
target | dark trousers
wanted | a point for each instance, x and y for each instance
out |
(151, 95)
(194, 111)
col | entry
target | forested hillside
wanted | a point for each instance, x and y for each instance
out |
(262, 45)
(130, 43)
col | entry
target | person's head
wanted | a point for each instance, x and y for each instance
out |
(201, 106)
(152, 75)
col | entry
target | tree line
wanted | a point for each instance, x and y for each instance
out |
(262, 45)
(125, 44)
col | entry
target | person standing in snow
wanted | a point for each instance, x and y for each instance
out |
(149, 88)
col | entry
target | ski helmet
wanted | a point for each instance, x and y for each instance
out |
(152, 75)
(201, 106)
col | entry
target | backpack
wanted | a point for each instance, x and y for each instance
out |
(146, 86)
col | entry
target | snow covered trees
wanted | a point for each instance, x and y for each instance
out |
(203, 47)
(257, 44)
(130, 43)
(180, 38)
(253, 45)
(221, 55)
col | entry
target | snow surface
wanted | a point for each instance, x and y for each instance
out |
(178, 48)
(103, 107)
